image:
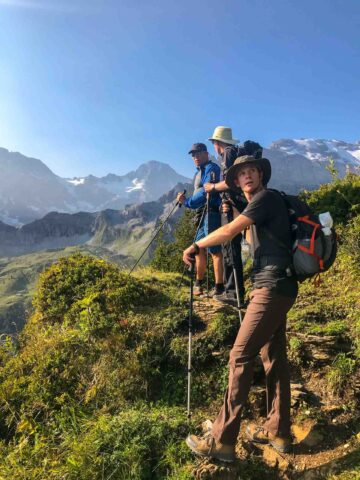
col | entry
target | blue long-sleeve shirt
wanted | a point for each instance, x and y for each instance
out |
(198, 199)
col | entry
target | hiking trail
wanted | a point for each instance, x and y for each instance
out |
(326, 435)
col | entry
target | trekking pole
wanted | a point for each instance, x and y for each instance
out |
(192, 270)
(237, 290)
(177, 204)
(212, 180)
(230, 218)
(194, 240)
(207, 250)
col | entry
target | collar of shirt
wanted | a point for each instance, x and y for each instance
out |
(203, 166)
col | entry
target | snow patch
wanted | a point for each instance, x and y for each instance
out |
(136, 185)
(355, 153)
(77, 181)
(321, 150)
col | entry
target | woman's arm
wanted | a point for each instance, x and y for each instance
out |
(221, 235)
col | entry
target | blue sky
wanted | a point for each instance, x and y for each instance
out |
(103, 86)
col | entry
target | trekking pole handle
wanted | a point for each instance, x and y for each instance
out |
(183, 194)
(212, 180)
(192, 265)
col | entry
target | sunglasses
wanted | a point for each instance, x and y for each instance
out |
(198, 153)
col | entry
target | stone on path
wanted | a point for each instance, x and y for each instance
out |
(307, 435)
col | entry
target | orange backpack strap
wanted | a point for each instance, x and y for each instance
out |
(311, 249)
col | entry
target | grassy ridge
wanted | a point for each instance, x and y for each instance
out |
(98, 376)
(94, 387)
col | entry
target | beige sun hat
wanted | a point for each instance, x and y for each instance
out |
(223, 134)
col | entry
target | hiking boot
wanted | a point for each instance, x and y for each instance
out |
(225, 297)
(216, 291)
(206, 427)
(258, 434)
(228, 298)
(198, 290)
(207, 446)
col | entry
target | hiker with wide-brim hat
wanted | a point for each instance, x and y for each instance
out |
(226, 148)
(206, 221)
(233, 203)
(263, 164)
(263, 330)
(223, 135)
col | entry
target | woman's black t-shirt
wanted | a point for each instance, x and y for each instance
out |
(269, 235)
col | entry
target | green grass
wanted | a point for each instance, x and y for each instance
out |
(94, 387)
(18, 280)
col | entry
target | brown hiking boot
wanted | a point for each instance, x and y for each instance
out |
(207, 446)
(258, 434)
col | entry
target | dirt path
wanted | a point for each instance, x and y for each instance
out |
(326, 433)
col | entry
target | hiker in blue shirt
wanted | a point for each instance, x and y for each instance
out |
(207, 172)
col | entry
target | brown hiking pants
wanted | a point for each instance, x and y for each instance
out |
(263, 330)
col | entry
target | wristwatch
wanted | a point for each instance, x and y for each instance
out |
(197, 248)
(214, 186)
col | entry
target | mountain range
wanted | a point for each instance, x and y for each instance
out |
(123, 233)
(300, 164)
(29, 189)
(114, 217)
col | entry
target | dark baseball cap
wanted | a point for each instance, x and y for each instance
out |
(198, 147)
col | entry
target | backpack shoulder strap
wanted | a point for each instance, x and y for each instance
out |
(269, 233)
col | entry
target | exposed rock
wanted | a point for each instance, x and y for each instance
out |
(275, 459)
(307, 435)
(60, 230)
(213, 470)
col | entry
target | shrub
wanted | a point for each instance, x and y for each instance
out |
(352, 240)
(340, 197)
(296, 351)
(168, 255)
(142, 444)
(342, 368)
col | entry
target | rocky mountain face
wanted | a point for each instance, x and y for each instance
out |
(299, 164)
(29, 189)
(123, 232)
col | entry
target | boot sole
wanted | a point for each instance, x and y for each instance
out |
(280, 449)
(253, 440)
(268, 442)
(206, 455)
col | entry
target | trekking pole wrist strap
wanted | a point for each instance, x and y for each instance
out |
(197, 248)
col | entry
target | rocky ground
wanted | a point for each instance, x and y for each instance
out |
(326, 428)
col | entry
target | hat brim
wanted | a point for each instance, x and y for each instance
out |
(263, 163)
(223, 140)
(199, 151)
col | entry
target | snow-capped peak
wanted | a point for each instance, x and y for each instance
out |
(321, 150)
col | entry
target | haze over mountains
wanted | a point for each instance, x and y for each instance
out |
(123, 233)
(29, 189)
